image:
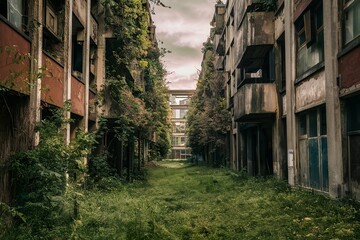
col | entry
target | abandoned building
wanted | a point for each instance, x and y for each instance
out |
(52, 52)
(293, 88)
(179, 103)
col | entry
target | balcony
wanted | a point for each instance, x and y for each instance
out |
(255, 102)
(257, 38)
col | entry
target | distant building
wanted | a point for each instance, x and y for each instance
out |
(179, 103)
(293, 88)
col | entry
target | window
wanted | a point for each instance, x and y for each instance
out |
(310, 39)
(351, 20)
(15, 13)
(51, 20)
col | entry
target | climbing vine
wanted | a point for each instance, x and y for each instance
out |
(135, 86)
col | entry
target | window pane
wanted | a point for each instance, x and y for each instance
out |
(352, 22)
(302, 124)
(313, 123)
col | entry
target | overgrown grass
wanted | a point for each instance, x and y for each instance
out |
(181, 201)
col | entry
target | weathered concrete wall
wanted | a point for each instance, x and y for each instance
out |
(253, 99)
(311, 92)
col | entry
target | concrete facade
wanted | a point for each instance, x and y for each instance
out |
(293, 90)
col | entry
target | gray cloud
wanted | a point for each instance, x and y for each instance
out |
(182, 29)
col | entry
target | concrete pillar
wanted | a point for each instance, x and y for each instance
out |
(333, 112)
(67, 62)
(86, 65)
(100, 62)
(290, 57)
(36, 65)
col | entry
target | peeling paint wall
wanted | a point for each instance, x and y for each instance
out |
(311, 92)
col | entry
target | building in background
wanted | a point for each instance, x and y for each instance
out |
(293, 90)
(179, 103)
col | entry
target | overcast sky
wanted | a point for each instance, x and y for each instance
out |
(183, 28)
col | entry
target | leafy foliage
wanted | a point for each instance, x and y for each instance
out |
(42, 188)
(135, 85)
(208, 119)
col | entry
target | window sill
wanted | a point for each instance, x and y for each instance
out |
(309, 72)
(350, 46)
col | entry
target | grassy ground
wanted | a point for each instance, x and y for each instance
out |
(180, 201)
(191, 202)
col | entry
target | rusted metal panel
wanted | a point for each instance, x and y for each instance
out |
(15, 61)
(255, 99)
(310, 92)
(77, 96)
(349, 69)
(53, 82)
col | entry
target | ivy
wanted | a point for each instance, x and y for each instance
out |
(46, 177)
(135, 87)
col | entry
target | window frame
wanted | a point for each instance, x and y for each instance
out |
(307, 25)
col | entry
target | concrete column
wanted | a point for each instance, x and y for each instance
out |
(100, 62)
(67, 62)
(36, 64)
(333, 113)
(86, 65)
(290, 59)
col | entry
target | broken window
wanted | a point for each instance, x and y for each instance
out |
(310, 39)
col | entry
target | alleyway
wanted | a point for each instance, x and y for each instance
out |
(189, 202)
